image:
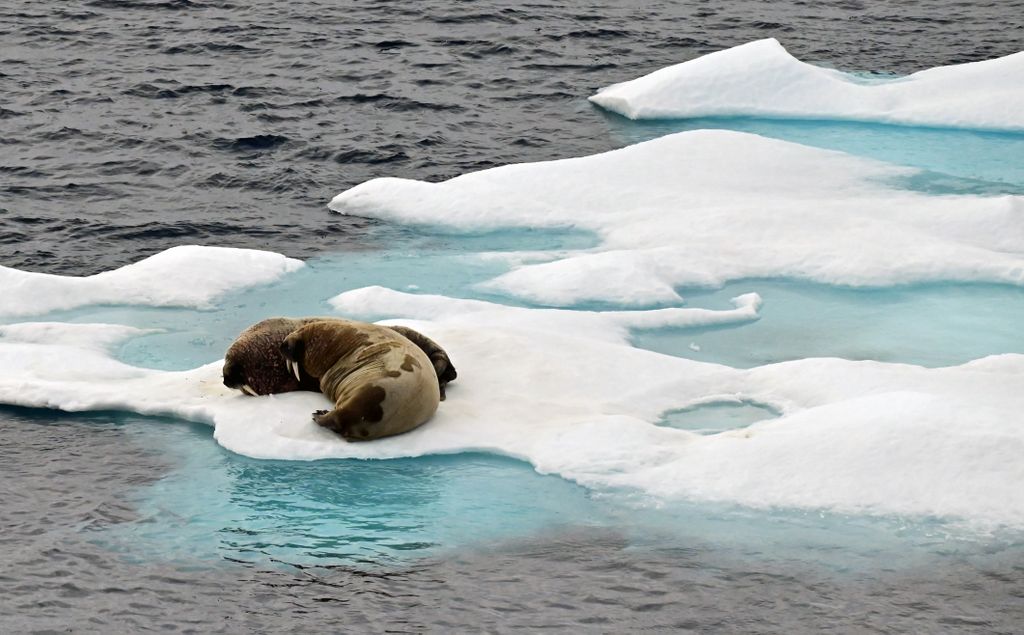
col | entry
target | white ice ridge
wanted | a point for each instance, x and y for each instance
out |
(704, 207)
(185, 276)
(761, 79)
(854, 437)
(598, 325)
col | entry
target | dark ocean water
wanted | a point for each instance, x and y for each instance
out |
(130, 127)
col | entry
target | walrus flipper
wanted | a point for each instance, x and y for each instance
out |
(354, 419)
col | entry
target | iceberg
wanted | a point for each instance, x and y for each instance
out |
(705, 207)
(566, 392)
(761, 79)
(185, 276)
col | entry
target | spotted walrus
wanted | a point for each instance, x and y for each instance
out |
(381, 383)
(254, 365)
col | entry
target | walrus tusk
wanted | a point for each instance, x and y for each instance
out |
(247, 389)
(294, 367)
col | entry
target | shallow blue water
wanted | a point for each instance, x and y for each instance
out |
(955, 161)
(447, 264)
(215, 505)
(929, 325)
(717, 417)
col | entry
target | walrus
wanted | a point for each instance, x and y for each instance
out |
(254, 365)
(381, 383)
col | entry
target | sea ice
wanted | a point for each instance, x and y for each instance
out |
(761, 79)
(185, 276)
(565, 391)
(705, 207)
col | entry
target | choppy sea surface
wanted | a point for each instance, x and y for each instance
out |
(131, 127)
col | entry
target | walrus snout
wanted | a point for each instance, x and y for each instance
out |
(234, 377)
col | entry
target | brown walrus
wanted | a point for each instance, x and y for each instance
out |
(381, 383)
(254, 365)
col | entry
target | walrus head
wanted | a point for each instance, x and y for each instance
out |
(311, 351)
(253, 362)
(234, 377)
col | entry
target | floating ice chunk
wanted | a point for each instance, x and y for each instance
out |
(704, 207)
(761, 79)
(560, 390)
(858, 437)
(187, 276)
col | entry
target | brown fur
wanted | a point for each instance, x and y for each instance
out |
(254, 358)
(381, 383)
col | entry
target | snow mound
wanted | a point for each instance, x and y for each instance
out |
(761, 79)
(185, 276)
(705, 207)
(565, 391)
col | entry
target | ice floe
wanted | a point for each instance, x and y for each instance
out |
(565, 391)
(761, 79)
(185, 276)
(705, 207)
(606, 325)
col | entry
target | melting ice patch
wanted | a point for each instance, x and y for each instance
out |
(185, 276)
(705, 207)
(761, 79)
(858, 437)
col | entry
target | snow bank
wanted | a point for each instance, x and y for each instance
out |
(564, 391)
(185, 276)
(704, 207)
(761, 79)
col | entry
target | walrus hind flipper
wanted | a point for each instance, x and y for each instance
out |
(336, 422)
(326, 419)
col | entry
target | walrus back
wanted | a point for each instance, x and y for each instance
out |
(386, 387)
